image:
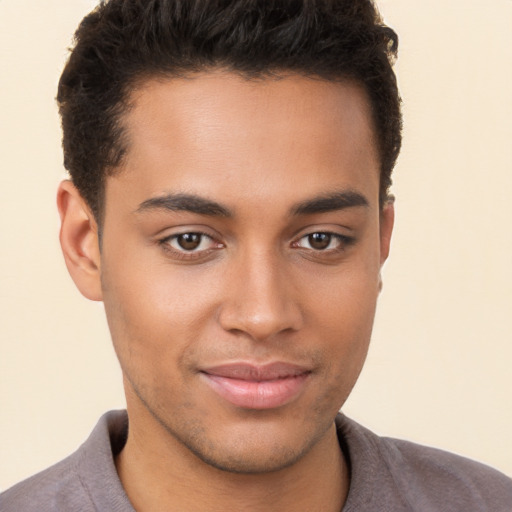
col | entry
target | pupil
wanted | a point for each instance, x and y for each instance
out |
(319, 240)
(189, 241)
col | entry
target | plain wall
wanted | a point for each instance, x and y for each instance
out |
(439, 368)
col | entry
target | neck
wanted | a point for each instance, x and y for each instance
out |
(159, 473)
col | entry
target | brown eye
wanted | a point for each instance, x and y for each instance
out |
(192, 246)
(189, 241)
(319, 241)
(324, 241)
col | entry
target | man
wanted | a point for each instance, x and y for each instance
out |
(229, 204)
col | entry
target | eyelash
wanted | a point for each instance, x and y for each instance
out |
(344, 241)
(183, 254)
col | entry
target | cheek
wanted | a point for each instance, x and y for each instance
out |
(152, 318)
(345, 354)
(351, 327)
(344, 308)
(344, 300)
(153, 296)
(150, 343)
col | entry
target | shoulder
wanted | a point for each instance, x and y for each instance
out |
(439, 477)
(86, 481)
(416, 477)
(56, 488)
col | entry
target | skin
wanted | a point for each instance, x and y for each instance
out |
(256, 289)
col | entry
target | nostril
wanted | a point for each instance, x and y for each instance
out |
(260, 325)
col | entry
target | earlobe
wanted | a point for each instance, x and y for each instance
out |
(79, 241)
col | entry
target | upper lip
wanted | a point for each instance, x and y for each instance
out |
(256, 372)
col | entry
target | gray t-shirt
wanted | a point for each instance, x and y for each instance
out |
(387, 475)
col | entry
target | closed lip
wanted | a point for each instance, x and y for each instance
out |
(257, 372)
(257, 386)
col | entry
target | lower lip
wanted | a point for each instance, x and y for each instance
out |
(249, 394)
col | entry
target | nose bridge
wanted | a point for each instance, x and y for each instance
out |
(259, 299)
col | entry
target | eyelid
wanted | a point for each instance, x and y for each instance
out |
(343, 239)
(334, 229)
(173, 252)
(203, 239)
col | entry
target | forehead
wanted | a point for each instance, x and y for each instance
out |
(221, 134)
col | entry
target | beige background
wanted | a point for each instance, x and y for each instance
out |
(439, 370)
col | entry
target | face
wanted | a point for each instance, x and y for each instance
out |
(242, 247)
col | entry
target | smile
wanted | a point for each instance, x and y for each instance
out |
(257, 387)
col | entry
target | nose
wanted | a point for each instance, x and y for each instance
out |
(260, 299)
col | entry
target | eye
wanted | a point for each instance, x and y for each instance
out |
(323, 241)
(189, 243)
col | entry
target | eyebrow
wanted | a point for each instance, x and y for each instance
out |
(330, 202)
(185, 202)
(202, 206)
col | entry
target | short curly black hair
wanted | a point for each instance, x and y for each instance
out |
(123, 42)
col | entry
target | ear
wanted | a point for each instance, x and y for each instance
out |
(387, 220)
(79, 241)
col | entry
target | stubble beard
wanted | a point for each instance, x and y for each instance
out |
(192, 435)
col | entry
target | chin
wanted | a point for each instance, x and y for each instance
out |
(249, 460)
(249, 446)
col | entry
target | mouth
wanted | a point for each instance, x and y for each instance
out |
(251, 386)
